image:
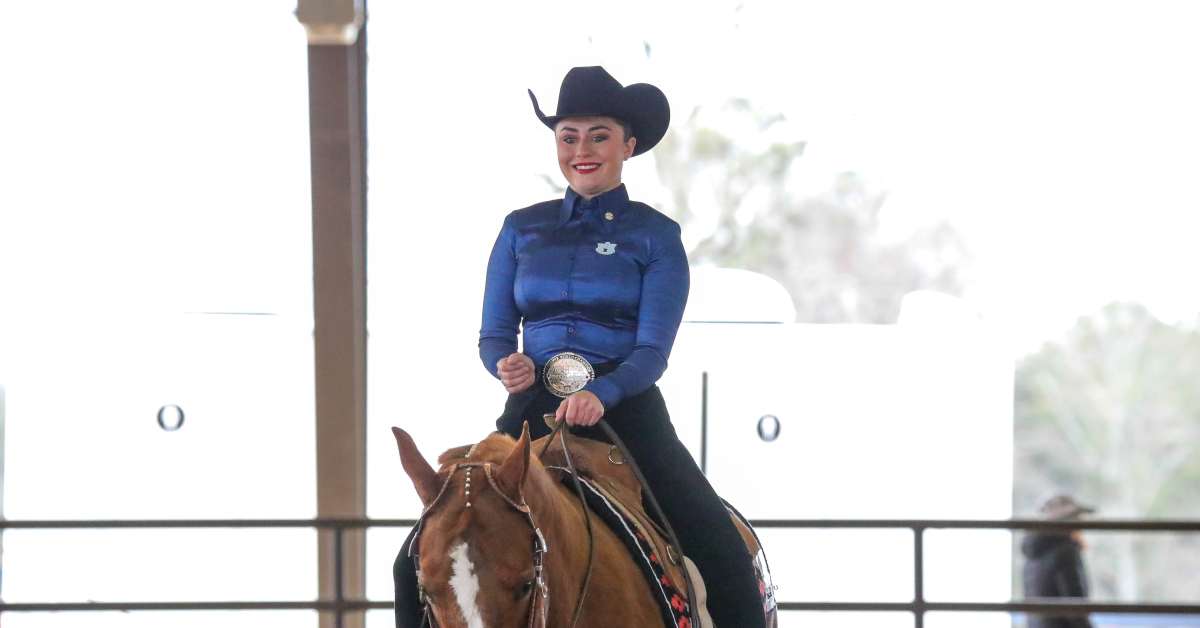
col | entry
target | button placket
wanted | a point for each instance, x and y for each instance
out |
(569, 280)
(576, 237)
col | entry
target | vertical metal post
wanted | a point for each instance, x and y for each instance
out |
(919, 575)
(338, 577)
(704, 422)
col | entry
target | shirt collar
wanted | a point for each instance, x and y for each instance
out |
(614, 200)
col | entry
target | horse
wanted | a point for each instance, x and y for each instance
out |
(503, 543)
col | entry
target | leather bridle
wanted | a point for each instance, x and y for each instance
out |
(542, 592)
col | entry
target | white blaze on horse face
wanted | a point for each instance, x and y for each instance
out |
(465, 585)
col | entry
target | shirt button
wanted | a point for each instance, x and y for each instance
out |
(570, 330)
(608, 215)
(564, 293)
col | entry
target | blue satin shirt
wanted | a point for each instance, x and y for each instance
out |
(606, 278)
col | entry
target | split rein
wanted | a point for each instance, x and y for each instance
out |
(540, 548)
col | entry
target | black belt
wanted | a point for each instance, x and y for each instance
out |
(602, 368)
(567, 373)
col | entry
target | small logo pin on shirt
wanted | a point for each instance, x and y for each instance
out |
(606, 248)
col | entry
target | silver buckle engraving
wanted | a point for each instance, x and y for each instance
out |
(567, 373)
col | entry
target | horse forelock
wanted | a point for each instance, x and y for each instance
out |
(495, 448)
(452, 518)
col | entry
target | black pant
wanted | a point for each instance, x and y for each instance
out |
(688, 501)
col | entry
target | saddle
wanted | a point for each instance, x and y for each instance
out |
(614, 496)
(607, 473)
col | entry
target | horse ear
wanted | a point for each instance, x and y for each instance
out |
(423, 477)
(511, 475)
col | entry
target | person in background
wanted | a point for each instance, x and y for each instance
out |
(1054, 563)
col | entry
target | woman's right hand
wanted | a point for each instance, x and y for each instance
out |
(516, 372)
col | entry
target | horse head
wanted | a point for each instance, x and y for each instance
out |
(478, 548)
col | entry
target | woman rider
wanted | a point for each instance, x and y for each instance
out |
(597, 284)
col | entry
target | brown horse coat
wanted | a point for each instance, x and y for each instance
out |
(476, 547)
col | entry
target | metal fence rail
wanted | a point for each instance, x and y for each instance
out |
(339, 605)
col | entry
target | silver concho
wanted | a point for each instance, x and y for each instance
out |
(567, 373)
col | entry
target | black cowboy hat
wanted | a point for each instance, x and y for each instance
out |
(591, 91)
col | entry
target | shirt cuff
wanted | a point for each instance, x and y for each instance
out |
(607, 391)
(492, 350)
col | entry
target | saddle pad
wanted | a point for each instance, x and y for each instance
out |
(673, 603)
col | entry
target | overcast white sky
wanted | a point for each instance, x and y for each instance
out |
(1059, 137)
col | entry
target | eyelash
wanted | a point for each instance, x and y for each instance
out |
(595, 138)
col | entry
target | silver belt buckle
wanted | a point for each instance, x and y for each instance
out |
(567, 373)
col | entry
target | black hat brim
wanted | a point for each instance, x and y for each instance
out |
(641, 105)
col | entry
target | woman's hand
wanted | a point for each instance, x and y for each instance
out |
(516, 372)
(583, 408)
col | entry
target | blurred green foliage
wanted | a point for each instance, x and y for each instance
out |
(1111, 414)
(735, 187)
